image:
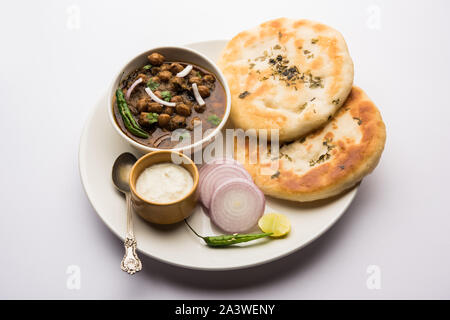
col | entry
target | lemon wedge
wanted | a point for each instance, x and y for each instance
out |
(276, 223)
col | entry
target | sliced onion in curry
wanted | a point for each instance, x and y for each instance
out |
(197, 95)
(156, 99)
(236, 205)
(161, 138)
(183, 73)
(130, 90)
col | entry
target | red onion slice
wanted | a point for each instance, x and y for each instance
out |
(197, 95)
(156, 99)
(208, 166)
(237, 205)
(218, 175)
(130, 90)
(224, 160)
(204, 209)
(183, 73)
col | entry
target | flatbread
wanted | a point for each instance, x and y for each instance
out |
(285, 74)
(327, 161)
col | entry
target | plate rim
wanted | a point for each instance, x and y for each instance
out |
(83, 177)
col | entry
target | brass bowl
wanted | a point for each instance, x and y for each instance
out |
(164, 213)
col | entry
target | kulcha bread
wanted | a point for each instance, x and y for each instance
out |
(290, 75)
(326, 162)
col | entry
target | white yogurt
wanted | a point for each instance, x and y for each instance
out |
(164, 182)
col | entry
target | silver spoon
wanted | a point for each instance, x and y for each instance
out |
(120, 176)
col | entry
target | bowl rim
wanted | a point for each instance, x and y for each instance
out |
(193, 146)
(151, 154)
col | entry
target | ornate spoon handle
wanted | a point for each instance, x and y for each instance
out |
(130, 262)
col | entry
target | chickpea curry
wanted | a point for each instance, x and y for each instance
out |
(160, 97)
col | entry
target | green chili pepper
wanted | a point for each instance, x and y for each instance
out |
(137, 132)
(128, 119)
(226, 240)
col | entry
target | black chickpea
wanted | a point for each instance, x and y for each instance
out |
(169, 110)
(209, 78)
(177, 122)
(175, 68)
(156, 59)
(143, 77)
(143, 119)
(204, 91)
(165, 75)
(200, 109)
(155, 70)
(183, 109)
(178, 83)
(142, 104)
(176, 99)
(163, 120)
(196, 80)
(155, 107)
(165, 67)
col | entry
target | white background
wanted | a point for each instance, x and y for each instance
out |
(53, 71)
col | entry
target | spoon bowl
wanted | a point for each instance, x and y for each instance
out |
(121, 171)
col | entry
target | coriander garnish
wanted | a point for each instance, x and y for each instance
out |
(166, 95)
(358, 120)
(275, 175)
(289, 74)
(183, 136)
(325, 156)
(244, 94)
(314, 82)
(322, 158)
(152, 117)
(213, 119)
(152, 84)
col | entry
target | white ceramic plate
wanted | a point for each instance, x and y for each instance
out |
(99, 147)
